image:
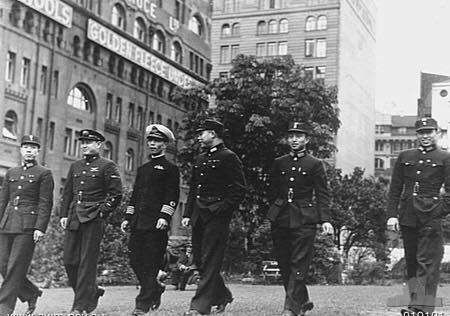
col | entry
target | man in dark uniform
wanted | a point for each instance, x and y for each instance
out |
(26, 202)
(92, 191)
(416, 208)
(217, 188)
(299, 199)
(153, 202)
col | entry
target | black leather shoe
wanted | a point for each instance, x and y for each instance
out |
(221, 307)
(155, 304)
(100, 292)
(138, 312)
(32, 303)
(306, 307)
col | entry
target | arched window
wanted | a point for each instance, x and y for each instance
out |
(226, 30)
(379, 163)
(139, 29)
(10, 125)
(28, 22)
(15, 14)
(272, 27)
(176, 53)
(129, 160)
(158, 42)
(196, 26)
(322, 22)
(236, 29)
(284, 26)
(261, 28)
(118, 16)
(108, 150)
(310, 23)
(79, 99)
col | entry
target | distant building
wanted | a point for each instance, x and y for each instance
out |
(434, 101)
(393, 133)
(108, 65)
(333, 40)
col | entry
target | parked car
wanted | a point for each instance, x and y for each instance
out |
(271, 271)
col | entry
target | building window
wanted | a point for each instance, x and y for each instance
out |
(79, 99)
(272, 4)
(109, 106)
(273, 27)
(140, 118)
(158, 42)
(131, 115)
(129, 160)
(309, 72)
(43, 80)
(55, 83)
(379, 163)
(120, 68)
(310, 23)
(260, 49)
(68, 142)
(158, 119)
(225, 54)
(10, 66)
(178, 12)
(379, 129)
(176, 52)
(284, 26)
(234, 51)
(282, 48)
(272, 49)
(261, 28)
(139, 29)
(25, 73)
(51, 135)
(97, 56)
(226, 30)
(236, 29)
(196, 26)
(108, 150)
(15, 14)
(379, 146)
(151, 117)
(229, 6)
(39, 127)
(321, 48)
(320, 72)
(76, 45)
(223, 75)
(309, 48)
(10, 125)
(118, 110)
(322, 22)
(28, 22)
(118, 16)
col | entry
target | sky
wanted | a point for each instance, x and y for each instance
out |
(413, 36)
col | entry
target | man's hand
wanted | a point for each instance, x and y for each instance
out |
(124, 226)
(327, 228)
(63, 222)
(186, 221)
(162, 224)
(37, 235)
(392, 224)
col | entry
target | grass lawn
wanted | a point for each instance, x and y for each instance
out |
(248, 300)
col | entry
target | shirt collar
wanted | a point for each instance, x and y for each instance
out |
(90, 158)
(298, 154)
(157, 156)
(427, 149)
(216, 148)
(28, 164)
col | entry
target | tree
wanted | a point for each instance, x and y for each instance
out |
(256, 104)
(358, 211)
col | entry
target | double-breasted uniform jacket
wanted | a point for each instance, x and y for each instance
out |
(155, 195)
(93, 188)
(217, 185)
(26, 199)
(417, 178)
(294, 179)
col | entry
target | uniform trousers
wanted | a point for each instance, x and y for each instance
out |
(294, 250)
(16, 252)
(423, 253)
(81, 252)
(209, 240)
(146, 254)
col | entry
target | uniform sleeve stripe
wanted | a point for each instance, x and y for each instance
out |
(130, 210)
(167, 209)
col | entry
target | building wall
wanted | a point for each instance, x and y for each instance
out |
(94, 69)
(356, 96)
